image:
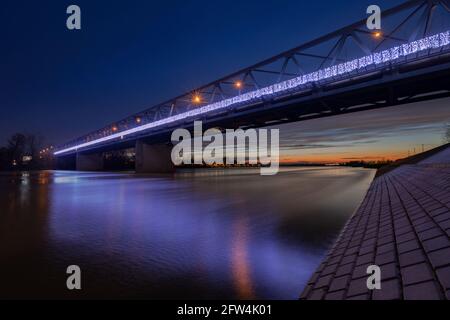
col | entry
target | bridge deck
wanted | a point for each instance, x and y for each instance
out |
(403, 226)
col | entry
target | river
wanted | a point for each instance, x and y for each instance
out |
(200, 234)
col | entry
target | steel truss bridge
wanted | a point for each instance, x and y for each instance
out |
(348, 70)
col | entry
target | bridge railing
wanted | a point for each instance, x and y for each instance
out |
(413, 30)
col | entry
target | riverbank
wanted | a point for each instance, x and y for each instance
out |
(403, 226)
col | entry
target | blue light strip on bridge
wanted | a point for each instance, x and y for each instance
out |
(432, 42)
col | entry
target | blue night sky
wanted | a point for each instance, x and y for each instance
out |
(130, 55)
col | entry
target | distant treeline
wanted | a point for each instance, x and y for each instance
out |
(30, 152)
(25, 152)
(367, 164)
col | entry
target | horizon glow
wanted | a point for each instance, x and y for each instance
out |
(436, 41)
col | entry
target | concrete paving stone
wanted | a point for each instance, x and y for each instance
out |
(421, 220)
(346, 239)
(417, 215)
(386, 231)
(440, 258)
(323, 281)
(422, 291)
(444, 276)
(432, 206)
(357, 287)
(439, 211)
(442, 217)
(390, 290)
(408, 246)
(445, 224)
(360, 271)
(366, 258)
(351, 251)
(385, 227)
(416, 273)
(429, 234)
(370, 230)
(436, 243)
(425, 226)
(370, 236)
(356, 240)
(389, 271)
(339, 283)
(385, 258)
(386, 223)
(337, 253)
(371, 242)
(314, 277)
(384, 234)
(333, 260)
(402, 222)
(321, 266)
(386, 248)
(385, 239)
(352, 245)
(306, 291)
(343, 270)
(329, 269)
(317, 294)
(405, 237)
(337, 295)
(403, 230)
(366, 250)
(412, 257)
(348, 259)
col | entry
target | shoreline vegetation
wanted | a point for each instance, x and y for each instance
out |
(25, 152)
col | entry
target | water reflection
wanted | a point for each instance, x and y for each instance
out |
(198, 234)
(240, 262)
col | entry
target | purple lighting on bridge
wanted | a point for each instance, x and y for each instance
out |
(436, 41)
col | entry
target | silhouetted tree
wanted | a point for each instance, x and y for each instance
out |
(16, 147)
(32, 146)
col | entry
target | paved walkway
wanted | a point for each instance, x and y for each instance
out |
(403, 226)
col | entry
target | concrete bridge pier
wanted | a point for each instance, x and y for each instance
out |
(153, 158)
(89, 162)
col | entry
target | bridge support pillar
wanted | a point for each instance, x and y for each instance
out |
(89, 162)
(153, 158)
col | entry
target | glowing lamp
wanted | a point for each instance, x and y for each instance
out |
(196, 98)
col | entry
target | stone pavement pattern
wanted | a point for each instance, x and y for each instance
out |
(403, 226)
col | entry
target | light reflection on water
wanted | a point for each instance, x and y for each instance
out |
(199, 234)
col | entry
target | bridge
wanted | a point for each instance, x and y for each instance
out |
(351, 69)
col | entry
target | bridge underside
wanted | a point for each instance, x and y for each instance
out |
(409, 84)
(149, 158)
(153, 158)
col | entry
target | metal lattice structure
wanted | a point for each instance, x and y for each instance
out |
(415, 31)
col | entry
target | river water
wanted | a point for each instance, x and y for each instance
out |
(201, 234)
